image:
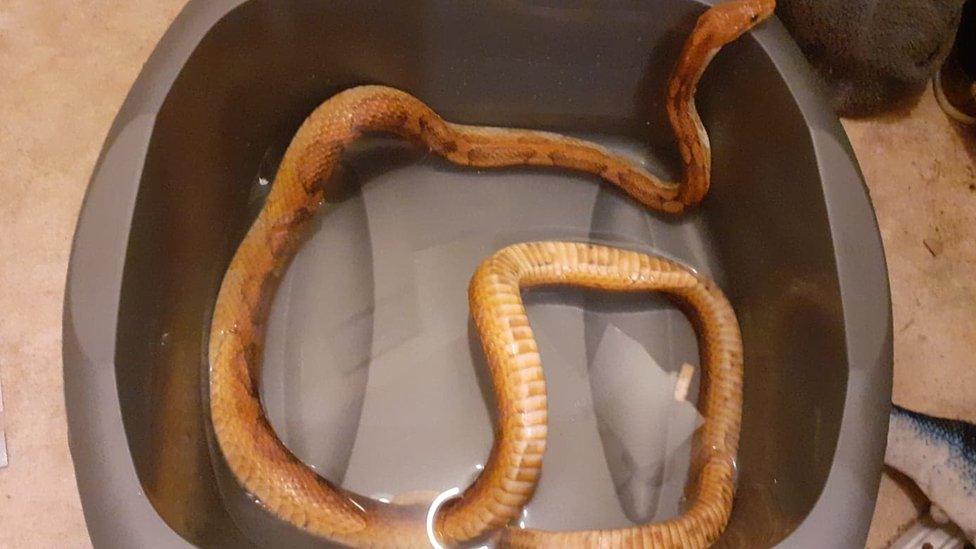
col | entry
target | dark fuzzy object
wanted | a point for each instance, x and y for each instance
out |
(874, 55)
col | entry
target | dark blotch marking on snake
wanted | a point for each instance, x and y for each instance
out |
(311, 175)
(437, 135)
(287, 231)
(485, 155)
(582, 164)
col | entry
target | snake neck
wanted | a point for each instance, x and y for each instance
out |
(717, 27)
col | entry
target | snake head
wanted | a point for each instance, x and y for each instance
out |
(727, 21)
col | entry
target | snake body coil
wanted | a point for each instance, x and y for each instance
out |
(294, 493)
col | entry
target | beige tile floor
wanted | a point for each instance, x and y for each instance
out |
(65, 66)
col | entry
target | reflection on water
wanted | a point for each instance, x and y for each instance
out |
(374, 376)
(646, 432)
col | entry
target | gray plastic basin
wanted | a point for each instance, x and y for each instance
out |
(788, 232)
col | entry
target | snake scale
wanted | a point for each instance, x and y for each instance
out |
(293, 492)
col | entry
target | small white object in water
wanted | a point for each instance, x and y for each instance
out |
(684, 382)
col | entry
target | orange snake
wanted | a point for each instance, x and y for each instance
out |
(293, 492)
